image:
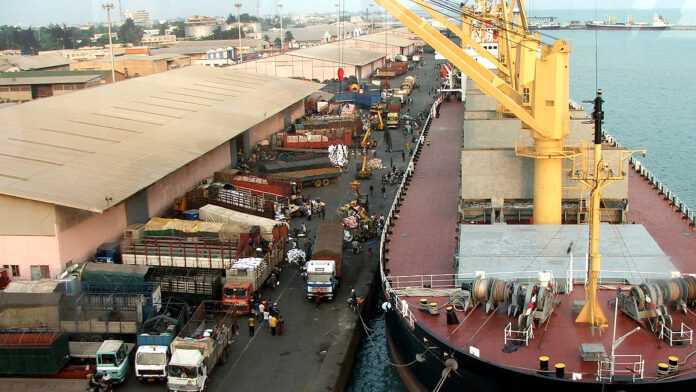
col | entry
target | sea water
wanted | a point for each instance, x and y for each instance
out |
(649, 84)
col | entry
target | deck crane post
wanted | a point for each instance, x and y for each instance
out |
(544, 111)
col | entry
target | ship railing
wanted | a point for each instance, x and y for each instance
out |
(629, 365)
(397, 197)
(514, 335)
(684, 335)
(450, 281)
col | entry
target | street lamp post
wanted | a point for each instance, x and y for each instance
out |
(238, 6)
(108, 7)
(282, 38)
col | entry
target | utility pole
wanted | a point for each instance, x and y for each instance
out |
(338, 20)
(120, 11)
(239, 32)
(282, 37)
(108, 7)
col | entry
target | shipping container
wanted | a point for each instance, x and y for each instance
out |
(33, 353)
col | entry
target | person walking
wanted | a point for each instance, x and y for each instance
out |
(322, 212)
(372, 189)
(266, 316)
(252, 325)
(273, 323)
(281, 325)
(262, 309)
(384, 191)
(403, 156)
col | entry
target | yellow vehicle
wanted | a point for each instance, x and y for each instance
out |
(393, 120)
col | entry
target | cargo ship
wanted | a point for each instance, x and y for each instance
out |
(658, 23)
(483, 292)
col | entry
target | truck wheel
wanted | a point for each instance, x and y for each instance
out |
(317, 183)
(325, 182)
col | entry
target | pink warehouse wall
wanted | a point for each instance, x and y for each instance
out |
(79, 241)
(26, 251)
(161, 195)
(275, 123)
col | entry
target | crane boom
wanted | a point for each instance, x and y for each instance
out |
(464, 36)
(487, 81)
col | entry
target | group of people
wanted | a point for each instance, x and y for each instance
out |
(266, 313)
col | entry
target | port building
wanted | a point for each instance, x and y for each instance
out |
(318, 63)
(77, 169)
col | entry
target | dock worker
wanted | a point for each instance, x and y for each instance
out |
(273, 323)
(262, 309)
(281, 325)
(252, 325)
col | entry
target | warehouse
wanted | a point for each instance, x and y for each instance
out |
(24, 86)
(134, 65)
(75, 170)
(318, 63)
(391, 42)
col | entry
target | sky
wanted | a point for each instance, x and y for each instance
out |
(42, 12)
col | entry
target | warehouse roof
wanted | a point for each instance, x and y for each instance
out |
(27, 63)
(311, 33)
(194, 47)
(96, 147)
(47, 77)
(392, 38)
(351, 56)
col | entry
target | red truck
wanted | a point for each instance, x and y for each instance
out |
(392, 70)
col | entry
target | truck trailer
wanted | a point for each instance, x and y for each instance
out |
(203, 343)
(324, 268)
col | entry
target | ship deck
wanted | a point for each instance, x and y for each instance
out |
(424, 239)
(423, 242)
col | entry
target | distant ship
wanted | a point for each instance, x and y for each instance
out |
(543, 23)
(658, 23)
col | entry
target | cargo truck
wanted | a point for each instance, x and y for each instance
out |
(244, 278)
(408, 84)
(203, 343)
(153, 341)
(393, 113)
(317, 177)
(324, 269)
(112, 360)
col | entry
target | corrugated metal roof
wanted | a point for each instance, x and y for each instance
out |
(351, 56)
(195, 47)
(26, 63)
(391, 39)
(96, 147)
(13, 81)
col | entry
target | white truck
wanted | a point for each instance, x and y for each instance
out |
(151, 363)
(321, 279)
(203, 343)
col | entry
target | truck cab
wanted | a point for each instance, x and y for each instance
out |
(112, 360)
(393, 120)
(151, 363)
(238, 296)
(108, 252)
(321, 279)
(187, 371)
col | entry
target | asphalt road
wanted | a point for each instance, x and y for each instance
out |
(290, 362)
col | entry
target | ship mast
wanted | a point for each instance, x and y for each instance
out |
(591, 312)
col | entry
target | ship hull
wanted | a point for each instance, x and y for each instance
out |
(474, 374)
(591, 26)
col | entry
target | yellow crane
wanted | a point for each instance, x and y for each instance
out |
(365, 143)
(532, 84)
(542, 107)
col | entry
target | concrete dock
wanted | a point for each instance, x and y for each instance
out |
(316, 351)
